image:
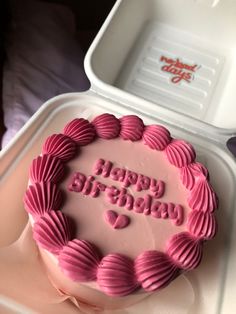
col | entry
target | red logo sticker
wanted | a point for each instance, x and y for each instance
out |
(179, 70)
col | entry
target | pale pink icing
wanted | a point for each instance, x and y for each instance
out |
(185, 250)
(115, 275)
(154, 270)
(203, 197)
(116, 221)
(131, 128)
(80, 130)
(42, 197)
(180, 153)
(79, 260)
(52, 231)
(156, 137)
(191, 173)
(60, 146)
(46, 168)
(107, 126)
(202, 225)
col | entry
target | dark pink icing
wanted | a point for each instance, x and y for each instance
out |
(154, 270)
(180, 153)
(79, 260)
(116, 221)
(52, 231)
(185, 250)
(106, 169)
(115, 275)
(156, 137)
(103, 167)
(46, 168)
(202, 224)
(60, 146)
(131, 128)
(168, 210)
(203, 197)
(107, 126)
(42, 197)
(157, 188)
(191, 173)
(80, 130)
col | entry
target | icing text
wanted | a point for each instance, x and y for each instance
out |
(147, 204)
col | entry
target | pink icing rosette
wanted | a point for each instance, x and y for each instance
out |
(115, 275)
(79, 260)
(180, 153)
(202, 225)
(154, 270)
(191, 173)
(46, 168)
(60, 146)
(185, 250)
(107, 126)
(80, 130)
(156, 137)
(131, 128)
(42, 197)
(52, 231)
(203, 197)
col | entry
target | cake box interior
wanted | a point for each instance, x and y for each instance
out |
(126, 78)
(128, 60)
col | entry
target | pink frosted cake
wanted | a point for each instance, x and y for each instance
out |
(118, 209)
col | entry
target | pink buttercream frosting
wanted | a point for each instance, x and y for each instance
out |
(52, 231)
(185, 250)
(107, 126)
(116, 221)
(80, 130)
(203, 197)
(180, 153)
(42, 197)
(155, 270)
(60, 146)
(115, 275)
(156, 137)
(131, 128)
(79, 260)
(191, 173)
(46, 168)
(202, 224)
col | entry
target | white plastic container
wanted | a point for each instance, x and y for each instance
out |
(125, 65)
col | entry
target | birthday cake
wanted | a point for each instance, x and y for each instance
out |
(118, 209)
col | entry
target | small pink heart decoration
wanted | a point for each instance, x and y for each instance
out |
(115, 220)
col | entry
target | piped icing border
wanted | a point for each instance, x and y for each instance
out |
(116, 274)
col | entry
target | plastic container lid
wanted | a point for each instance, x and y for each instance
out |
(174, 59)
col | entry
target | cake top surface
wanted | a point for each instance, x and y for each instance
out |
(135, 201)
(88, 211)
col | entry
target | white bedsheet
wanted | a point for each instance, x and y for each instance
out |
(44, 59)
